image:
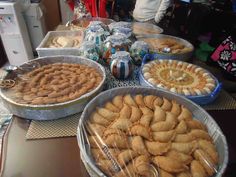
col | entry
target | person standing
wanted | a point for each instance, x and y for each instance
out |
(150, 10)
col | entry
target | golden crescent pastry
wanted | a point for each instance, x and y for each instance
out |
(210, 149)
(164, 173)
(206, 161)
(162, 126)
(118, 101)
(125, 112)
(140, 130)
(137, 145)
(129, 100)
(136, 114)
(184, 174)
(122, 124)
(112, 107)
(157, 148)
(167, 105)
(176, 109)
(125, 156)
(184, 158)
(168, 164)
(158, 101)
(197, 169)
(181, 127)
(195, 124)
(149, 100)
(97, 118)
(139, 100)
(159, 114)
(164, 136)
(146, 120)
(96, 129)
(106, 113)
(185, 114)
(146, 111)
(186, 148)
(200, 134)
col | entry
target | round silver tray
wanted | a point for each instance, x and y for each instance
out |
(199, 99)
(179, 56)
(84, 22)
(198, 113)
(147, 26)
(58, 110)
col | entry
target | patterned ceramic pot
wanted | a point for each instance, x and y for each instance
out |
(97, 35)
(121, 66)
(113, 44)
(99, 23)
(120, 24)
(89, 50)
(138, 50)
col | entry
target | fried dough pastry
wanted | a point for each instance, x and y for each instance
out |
(157, 148)
(136, 114)
(140, 135)
(163, 173)
(197, 169)
(168, 164)
(164, 136)
(206, 161)
(129, 100)
(184, 158)
(159, 114)
(137, 144)
(118, 101)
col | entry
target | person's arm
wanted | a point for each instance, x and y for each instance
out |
(162, 10)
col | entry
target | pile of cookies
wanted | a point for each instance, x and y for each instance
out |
(173, 46)
(142, 135)
(55, 83)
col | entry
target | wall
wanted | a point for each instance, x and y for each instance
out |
(52, 14)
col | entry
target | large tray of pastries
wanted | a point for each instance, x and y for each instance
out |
(182, 78)
(53, 87)
(168, 47)
(138, 131)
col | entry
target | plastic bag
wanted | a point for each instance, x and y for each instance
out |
(139, 138)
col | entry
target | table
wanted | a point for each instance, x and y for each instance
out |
(59, 157)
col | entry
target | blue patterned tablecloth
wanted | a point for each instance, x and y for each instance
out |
(112, 82)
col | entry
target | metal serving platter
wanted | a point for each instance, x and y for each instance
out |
(198, 113)
(84, 22)
(146, 29)
(179, 56)
(199, 99)
(58, 110)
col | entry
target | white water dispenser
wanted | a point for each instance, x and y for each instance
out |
(14, 33)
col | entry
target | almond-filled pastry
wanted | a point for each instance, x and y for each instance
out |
(149, 136)
(179, 77)
(55, 83)
(170, 45)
